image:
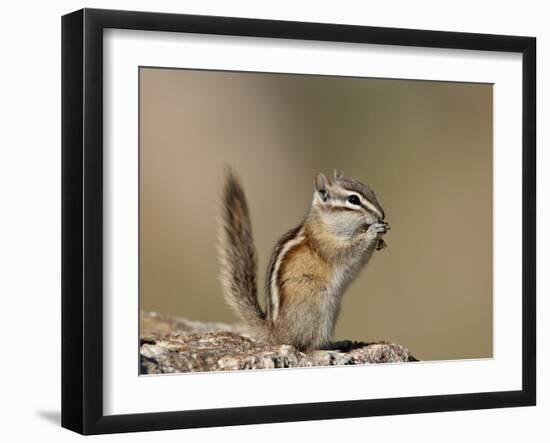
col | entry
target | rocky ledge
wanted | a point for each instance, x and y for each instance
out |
(171, 345)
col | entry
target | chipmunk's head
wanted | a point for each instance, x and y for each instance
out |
(347, 207)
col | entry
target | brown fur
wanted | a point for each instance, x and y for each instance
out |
(270, 267)
(309, 269)
(238, 258)
(303, 278)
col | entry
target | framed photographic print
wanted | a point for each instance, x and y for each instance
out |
(270, 221)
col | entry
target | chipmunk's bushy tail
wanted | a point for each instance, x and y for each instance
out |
(238, 258)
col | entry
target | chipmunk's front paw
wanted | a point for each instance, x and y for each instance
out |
(381, 228)
(376, 230)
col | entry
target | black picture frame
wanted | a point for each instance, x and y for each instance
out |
(82, 218)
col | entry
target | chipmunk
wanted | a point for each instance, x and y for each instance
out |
(311, 265)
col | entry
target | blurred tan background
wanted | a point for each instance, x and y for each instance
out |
(424, 147)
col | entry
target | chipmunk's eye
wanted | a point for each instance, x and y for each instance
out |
(354, 200)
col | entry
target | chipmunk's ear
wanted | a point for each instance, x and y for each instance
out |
(338, 174)
(321, 184)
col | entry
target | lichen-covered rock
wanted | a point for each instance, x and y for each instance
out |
(171, 345)
(155, 324)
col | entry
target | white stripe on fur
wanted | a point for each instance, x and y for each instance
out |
(296, 240)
